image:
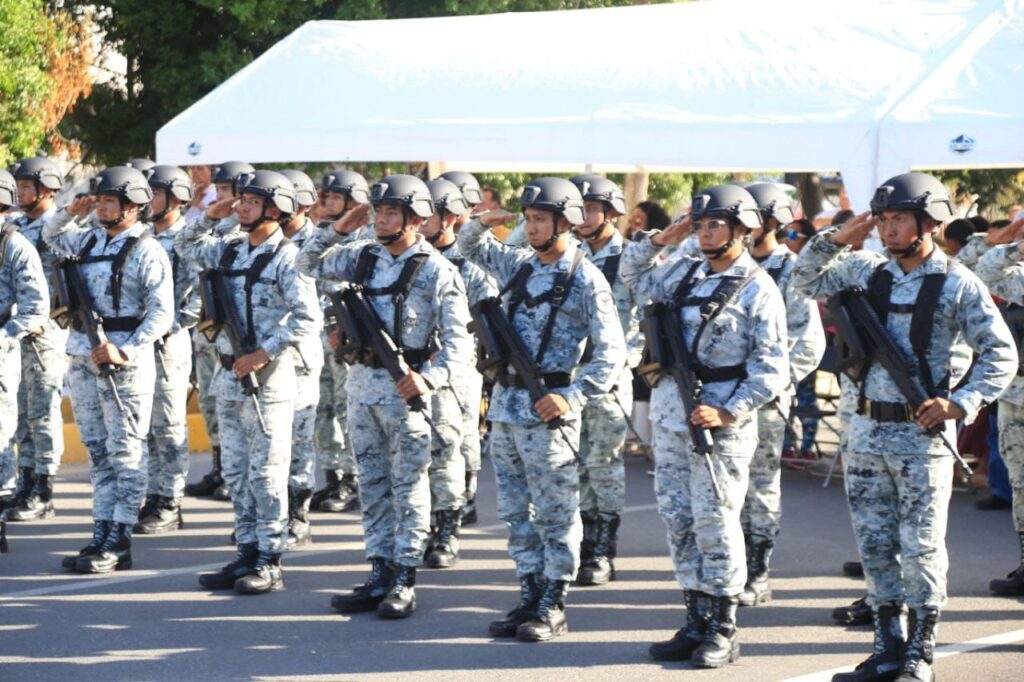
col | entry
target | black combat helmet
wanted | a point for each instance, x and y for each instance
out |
(726, 201)
(467, 184)
(914, 192)
(305, 190)
(447, 197)
(140, 164)
(596, 188)
(407, 191)
(772, 202)
(176, 182)
(554, 194)
(269, 185)
(124, 182)
(347, 182)
(8, 191)
(227, 173)
(43, 171)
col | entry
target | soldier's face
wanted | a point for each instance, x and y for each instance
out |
(898, 229)
(250, 210)
(540, 224)
(435, 224)
(26, 192)
(334, 202)
(159, 203)
(388, 219)
(108, 208)
(713, 233)
(594, 216)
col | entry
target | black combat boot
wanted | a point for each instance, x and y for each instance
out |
(757, 590)
(344, 495)
(330, 492)
(589, 519)
(1013, 585)
(298, 517)
(147, 509)
(530, 589)
(469, 509)
(38, 503)
(165, 517)
(720, 646)
(920, 650)
(600, 568)
(857, 613)
(243, 564)
(100, 529)
(266, 576)
(369, 595)
(688, 638)
(400, 601)
(549, 622)
(884, 663)
(115, 554)
(26, 481)
(208, 484)
(7, 502)
(853, 569)
(445, 552)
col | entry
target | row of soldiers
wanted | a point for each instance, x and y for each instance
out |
(730, 325)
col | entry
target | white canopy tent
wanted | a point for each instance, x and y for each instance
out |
(705, 86)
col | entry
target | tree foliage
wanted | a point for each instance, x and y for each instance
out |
(44, 70)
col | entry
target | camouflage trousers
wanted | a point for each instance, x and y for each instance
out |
(470, 444)
(207, 365)
(447, 464)
(602, 435)
(10, 376)
(539, 496)
(762, 509)
(1011, 447)
(167, 443)
(333, 446)
(704, 535)
(39, 431)
(302, 469)
(255, 467)
(899, 506)
(392, 448)
(114, 439)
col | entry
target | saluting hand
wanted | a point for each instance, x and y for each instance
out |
(674, 234)
(711, 417)
(412, 385)
(107, 353)
(855, 230)
(81, 206)
(935, 411)
(353, 220)
(219, 210)
(551, 407)
(495, 218)
(250, 362)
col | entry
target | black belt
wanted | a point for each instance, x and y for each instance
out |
(415, 357)
(112, 324)
(710, 375)
(886, 412)
(552, 380)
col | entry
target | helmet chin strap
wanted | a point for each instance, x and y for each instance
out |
(596, 234)
(388, 240)
(433, 239)
(249, 227)
(555, 234)
(715, 254)
(111, 224)
(914, 245)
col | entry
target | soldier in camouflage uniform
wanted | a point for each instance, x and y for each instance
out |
(1002, 270)
(40, 428)
(418, 297)
(762, 509)
(555, 299)
(456, 407)
(341, 190)
(278, 312)
(24, 308)
(302, 471)
(207, 361)
(899, 478)
(167, 442)
(128, 276)
(733, 320)
(604, 421)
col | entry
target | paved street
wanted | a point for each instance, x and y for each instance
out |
(155, 623)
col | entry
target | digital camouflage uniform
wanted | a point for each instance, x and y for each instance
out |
(762, 509)
(40, 427)
(115, 439)
(537, 476)
(898, 479)
(24, 305)
(167, 443)
(285, 313)
(390, 441)
(704, 535)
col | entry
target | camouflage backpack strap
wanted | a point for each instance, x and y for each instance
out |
(922, 326)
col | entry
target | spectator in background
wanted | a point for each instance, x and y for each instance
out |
(799, 232)
(647, 215)
(955, 235)
(204, 194)
(491, 202)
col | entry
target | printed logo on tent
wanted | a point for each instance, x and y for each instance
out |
(195, 148)
(961, 144)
